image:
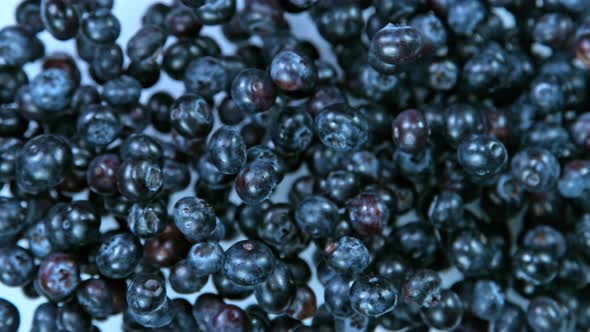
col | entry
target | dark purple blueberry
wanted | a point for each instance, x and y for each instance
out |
(293, 72)
(58, 276)
(60, 18)
(256, 181)
(253, 91)
(410, 131)
(183, 23)
(101, 175)
(367, 213)
(394, 46)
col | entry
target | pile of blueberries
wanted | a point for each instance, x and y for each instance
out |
(446, 138)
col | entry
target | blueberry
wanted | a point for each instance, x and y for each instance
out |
(341, 128)
(336, 297)
(545, 314)
(44, 317)
(206, 76)
(293, 72)
(16, 266)
(347, 255)
(182, 23)
(98, 125)
(394, 46)
(145, 43)
(122, 91)
(511, 318)
(72, 225)
(461, 121)
(100, 27)
(19, 46)
(9, 316)
(195, 218)
(139, 179)
(58, 276)
(183, 279)
(488, 300)
(536, 169)
(191, 116)
(117, 255)
(216, 11)
(410, 131)
(446, 313)
(256, 181)
(52, 90)
(462, 23)
(43, 163)
(60, 18)
(147, 220)
(422, 288)
(482, 158)
(317, 216)
(248, 263)
(96, 298)
(253, 91)
(292, 130)
(28, 13)
(535, 266)
(205, 258)
(372, 296)
(227, 150)
(277, 292)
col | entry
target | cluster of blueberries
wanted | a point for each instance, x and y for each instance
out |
(449, 137)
